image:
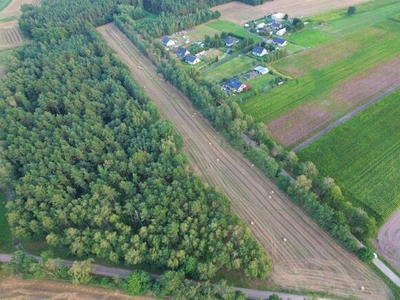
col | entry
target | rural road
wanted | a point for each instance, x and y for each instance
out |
(344, 119)
(123, 273)
(310, 259)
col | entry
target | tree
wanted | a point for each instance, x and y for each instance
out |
(366, 254)
(351, 10)
(274, 297)
(167, 283)
(137, 283)
(80, 271)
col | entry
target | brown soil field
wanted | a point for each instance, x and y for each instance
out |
(367, 85)
(309, 259)
(299, 122)
(10, 36)
(240, 13)
(14, 8)
(388, 241)
(16, 288)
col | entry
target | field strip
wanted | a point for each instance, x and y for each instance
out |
(344, 118)
(310, 255)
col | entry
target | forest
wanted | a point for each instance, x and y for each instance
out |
(96, 173)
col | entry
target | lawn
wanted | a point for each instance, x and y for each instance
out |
(199, 32)
(231, 68)
(321, 70)
(260, 82)
(363, 156)
(233, 28)
(310, 37)
(6, 244)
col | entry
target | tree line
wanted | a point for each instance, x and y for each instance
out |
(96, 172)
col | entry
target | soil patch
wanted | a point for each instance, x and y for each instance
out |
(240, 13)
(297, 123)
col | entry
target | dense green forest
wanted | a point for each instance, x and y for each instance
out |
(96, 173)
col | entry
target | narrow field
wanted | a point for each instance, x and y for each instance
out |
(363, 156)
(309, 256)
(240, 13)
(10, 36)
(14, 8)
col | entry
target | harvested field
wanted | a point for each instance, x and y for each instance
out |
(16, 288)
(368, 84)
(388, 241)
(14, 8)
(298, 122)
(240, 13)
(10, 36)
(310, 255)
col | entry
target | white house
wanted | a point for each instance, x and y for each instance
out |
(278, 16)
(260, 25)
(281, 32)
(259, 51)
(167, 41)
(191, 59)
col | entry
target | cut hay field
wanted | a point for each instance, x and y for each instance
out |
(223, 25)
(333, 78)
(363, 156)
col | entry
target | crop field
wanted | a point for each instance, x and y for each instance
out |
(231, 68)
(223, 25)
(4, 3)
(10, 37)
(322, 73)
(309, 256)
(363, 156)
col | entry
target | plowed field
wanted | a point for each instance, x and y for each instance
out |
(310, 259)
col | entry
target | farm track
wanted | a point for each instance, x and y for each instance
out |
(310, 259)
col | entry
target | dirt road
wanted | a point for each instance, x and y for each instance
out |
(240, 13)
(309, 259)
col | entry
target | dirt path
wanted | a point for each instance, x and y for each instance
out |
(309, 259)
(388, 240)
(344, 119)
(16, 288)
(240, 13)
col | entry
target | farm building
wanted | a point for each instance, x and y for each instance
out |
(275, 25)
(230, 41)
(181, 52)
(167, 41)
(261, 70)
(279, 41)
(191, 59)
(281, 32)
(235, 85)
(259, 51)
(278, 16)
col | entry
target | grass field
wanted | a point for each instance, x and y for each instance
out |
(232, 68)
(4, 3)
(6, 244)
(320, 71)
(310, 37)
(363, 156)
(223, 25)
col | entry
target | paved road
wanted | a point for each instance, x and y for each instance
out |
(344, 119)
(123, 273)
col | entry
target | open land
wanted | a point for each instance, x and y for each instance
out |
(16, 288)
(331, 79)
(240, 13)
(310, 255)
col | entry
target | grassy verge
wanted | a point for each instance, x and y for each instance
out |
(6, 242)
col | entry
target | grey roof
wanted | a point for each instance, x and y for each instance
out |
(165, 40)
(234, 84)
(278, 41)
(231, 40)
(190, 58)
(181, 52)
(258, 49)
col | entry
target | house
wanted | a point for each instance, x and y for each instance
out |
(281, 32)
(261, 25)
(279, 41)
(275, 25)
(181, 52)
(167, 41)
(278, 16)
(261, 70)
(191, 59)
(259, 51)
(230, 41)
(235, 85)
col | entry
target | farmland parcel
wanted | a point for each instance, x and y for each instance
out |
(334, 77)
(363, 156)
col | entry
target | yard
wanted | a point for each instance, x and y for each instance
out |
(223, 25)
(363, 156)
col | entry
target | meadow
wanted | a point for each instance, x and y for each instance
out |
(226, 26)
(363, 156)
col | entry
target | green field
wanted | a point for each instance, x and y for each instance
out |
(232, 68)
(310, 37)
(363, 156)
(260, 82)
(226, 26)
(355, 54)
(6, 244)
(4, 3)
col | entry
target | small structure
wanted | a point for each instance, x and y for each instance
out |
(191, 59)
(246, 25)
(230, 41)
(235, 85)
(261, 70)
(259, 51)
(275, 25)
(278, 16)
(260, 25)
(167, 41)
(181, 52)
(279, 42)
(281, 32)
